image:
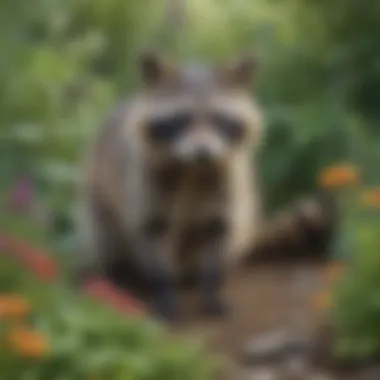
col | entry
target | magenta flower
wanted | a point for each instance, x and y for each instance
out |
(22, 194)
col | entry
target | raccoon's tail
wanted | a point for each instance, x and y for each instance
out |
(301, 231)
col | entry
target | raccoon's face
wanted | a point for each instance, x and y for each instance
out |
(199, 114)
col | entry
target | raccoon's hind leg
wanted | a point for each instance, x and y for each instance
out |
(104, 249)
(155, 251)
(212, 266)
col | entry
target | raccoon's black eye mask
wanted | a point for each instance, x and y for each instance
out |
(167, 128)
(231, 128)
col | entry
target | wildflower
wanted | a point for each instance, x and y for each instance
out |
(36, 260)
(322, 300)
(13, 306)
(27, 343)
(122, 301)
(22, 194)
(42, 267)
(338, 176)
(371, 198)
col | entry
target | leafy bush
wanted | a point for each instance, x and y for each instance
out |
(51, 332)
(66, 62)
(356, 296)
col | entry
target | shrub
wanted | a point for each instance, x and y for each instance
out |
(51, 332)
(355, 298)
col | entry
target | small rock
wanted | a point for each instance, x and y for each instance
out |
(296, 367)
(262, 373)
(267, 348)
(307, 375)
(273, 347)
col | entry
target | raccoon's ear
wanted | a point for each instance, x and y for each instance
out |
(154, 69)
(241, 72)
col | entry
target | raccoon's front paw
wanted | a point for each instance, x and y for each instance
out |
(215, 308)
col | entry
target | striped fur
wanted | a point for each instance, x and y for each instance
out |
(150, 215)
(302, 230)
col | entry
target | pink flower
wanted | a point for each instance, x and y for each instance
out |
(22, 194)
(36, 260)
(122, 301)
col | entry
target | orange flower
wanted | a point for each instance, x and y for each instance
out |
(334, 271)
(13, 306)
(27, 343)
(339, 176)
(371, 198)
(322, 300)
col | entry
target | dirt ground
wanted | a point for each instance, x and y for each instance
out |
(262, 298)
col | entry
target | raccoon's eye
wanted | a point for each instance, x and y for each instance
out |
(167, 128)
(230, 127)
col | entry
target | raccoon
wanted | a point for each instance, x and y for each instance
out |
(303, 230)
(169, 190)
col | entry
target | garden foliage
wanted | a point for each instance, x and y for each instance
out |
(64, 64)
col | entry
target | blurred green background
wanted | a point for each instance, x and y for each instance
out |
(65, 62)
